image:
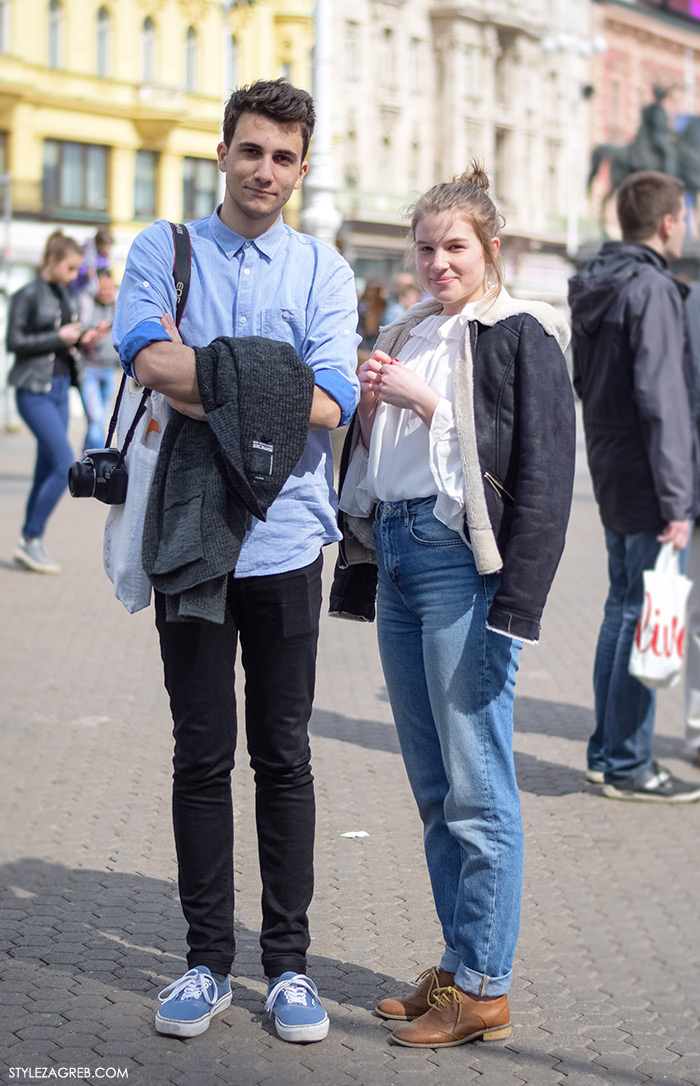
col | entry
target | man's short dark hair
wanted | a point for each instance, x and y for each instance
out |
(642, 201)
(275, 99)
(104, 273)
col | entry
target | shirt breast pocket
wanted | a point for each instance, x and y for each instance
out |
(285, 324)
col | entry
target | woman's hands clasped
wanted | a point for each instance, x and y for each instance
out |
(385, 380)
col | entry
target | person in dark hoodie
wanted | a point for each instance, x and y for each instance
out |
(632, 374)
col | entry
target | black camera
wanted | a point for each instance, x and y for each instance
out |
(99, 475)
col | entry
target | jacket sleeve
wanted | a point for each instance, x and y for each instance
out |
(546, 449)
(657, 337)
(21, 339)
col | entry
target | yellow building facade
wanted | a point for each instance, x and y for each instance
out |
(110, 110)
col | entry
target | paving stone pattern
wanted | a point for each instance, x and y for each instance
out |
(607, 980)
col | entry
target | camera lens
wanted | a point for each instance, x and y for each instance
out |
(81, 478)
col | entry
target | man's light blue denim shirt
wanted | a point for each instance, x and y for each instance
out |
(283, 285)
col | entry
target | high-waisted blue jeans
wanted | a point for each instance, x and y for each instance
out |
(451, 684)
(46, 415)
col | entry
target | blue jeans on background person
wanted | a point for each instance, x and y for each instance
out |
(98, 392)
(46, 415)
(451, 684)
(624, 708)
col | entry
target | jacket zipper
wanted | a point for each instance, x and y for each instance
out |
(498, 486)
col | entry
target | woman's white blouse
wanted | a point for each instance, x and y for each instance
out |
(406, 459)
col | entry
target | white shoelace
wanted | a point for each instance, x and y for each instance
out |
(295, 989)
(192, 985)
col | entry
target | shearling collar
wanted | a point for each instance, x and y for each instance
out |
(489, 312)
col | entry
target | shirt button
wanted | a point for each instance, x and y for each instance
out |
(246, 271)
(242, 320)
(146, 283)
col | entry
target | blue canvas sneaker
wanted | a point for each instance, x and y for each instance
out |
(190, 1003)
(293, 1001)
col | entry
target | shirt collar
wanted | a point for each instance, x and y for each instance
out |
(440, 326)
(230, 243)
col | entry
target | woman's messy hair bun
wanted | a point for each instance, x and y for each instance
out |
(475, 175)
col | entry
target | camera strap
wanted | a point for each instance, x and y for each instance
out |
(182, 268)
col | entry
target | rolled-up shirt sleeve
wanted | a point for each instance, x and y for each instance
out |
(330, 345)
(147, 292)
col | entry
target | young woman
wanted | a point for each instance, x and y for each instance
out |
(42, 331)
(459, 477)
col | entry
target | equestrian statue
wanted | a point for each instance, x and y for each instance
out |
(656, 146)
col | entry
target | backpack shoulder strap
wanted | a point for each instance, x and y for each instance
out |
(182, 266)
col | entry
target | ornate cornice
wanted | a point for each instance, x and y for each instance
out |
(194, 10)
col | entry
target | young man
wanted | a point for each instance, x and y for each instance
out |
(631, 372)
(251, 276)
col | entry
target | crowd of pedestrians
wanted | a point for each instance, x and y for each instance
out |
(455, 490)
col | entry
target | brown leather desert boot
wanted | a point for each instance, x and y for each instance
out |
(455, 1018)
(418, 1000)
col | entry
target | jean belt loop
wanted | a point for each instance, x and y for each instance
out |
(406, 513)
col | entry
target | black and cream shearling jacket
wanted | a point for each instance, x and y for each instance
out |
(514, 412)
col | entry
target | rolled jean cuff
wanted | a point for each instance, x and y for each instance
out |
(480, 984)
(450, 960)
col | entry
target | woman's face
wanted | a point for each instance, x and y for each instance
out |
(451, 261)
(64, 270)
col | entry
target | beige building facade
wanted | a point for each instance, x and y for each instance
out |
(110, 110)
(422, 87)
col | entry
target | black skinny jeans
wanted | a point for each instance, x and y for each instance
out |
(276, 618)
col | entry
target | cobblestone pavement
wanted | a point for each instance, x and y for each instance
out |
(607, 980)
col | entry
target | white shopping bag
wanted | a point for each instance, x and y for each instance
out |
(121, 550)
(659, 641)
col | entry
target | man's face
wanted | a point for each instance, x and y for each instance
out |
(105, 290)
(676, 233)
(263, 167)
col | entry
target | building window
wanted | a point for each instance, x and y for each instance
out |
(103, 42)
(387, 73)
(148, 50)
(352, 51)
(191, 47)
(145, 183)
(384, 170)
(286, 71)
(415, 58)
(75, 177)
(3, 153)
(55, 34)
(200, 184)
(4, 26)
(231, 75)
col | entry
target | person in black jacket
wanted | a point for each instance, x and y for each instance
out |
(43, 331)
(632, 374)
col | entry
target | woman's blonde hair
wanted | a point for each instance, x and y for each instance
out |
(58, 246)
(467, 195)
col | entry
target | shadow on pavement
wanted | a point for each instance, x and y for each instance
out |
(371, 734)
(536, 717)
(127, 931)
